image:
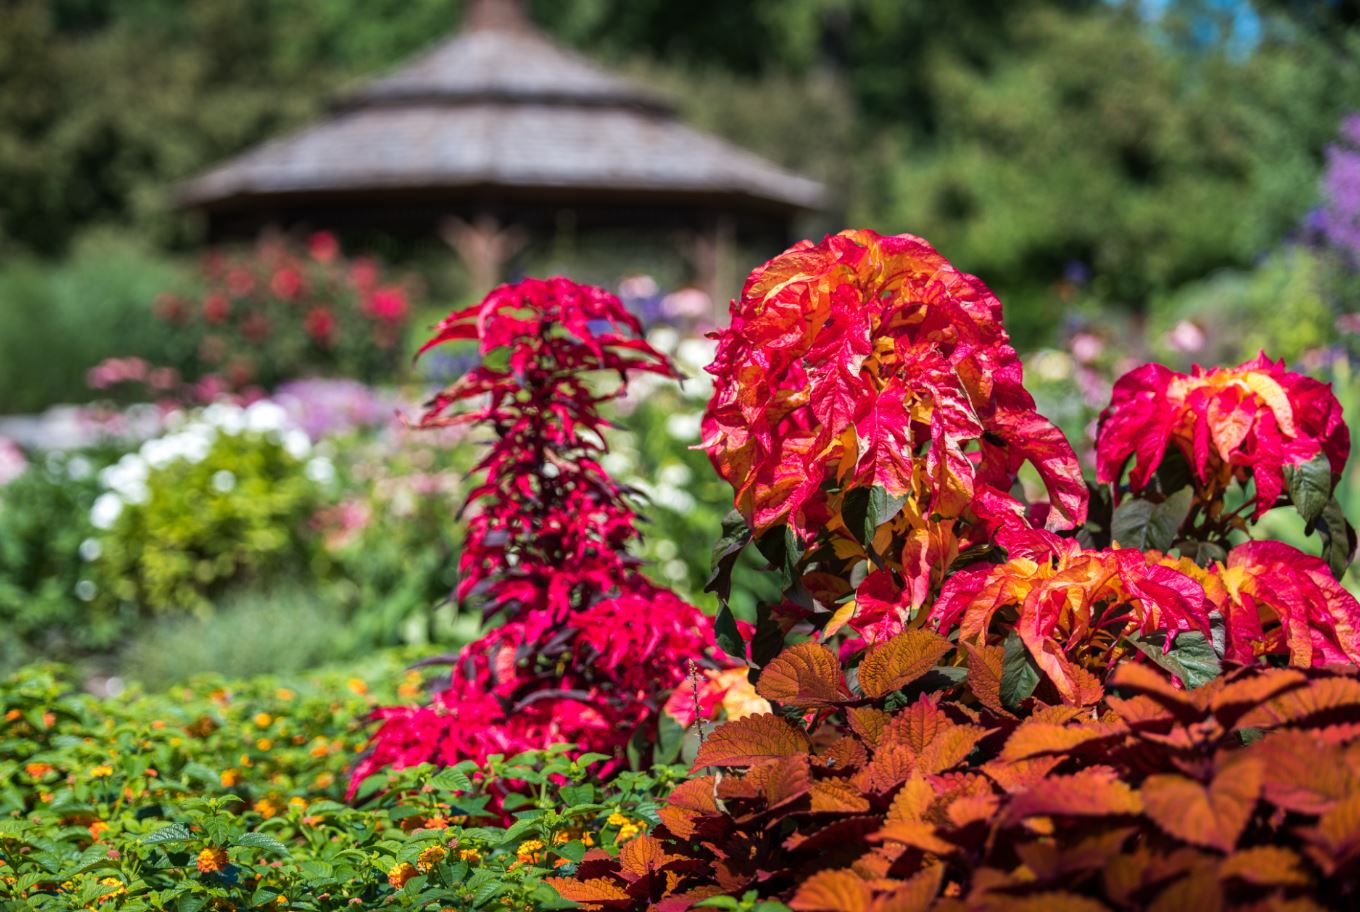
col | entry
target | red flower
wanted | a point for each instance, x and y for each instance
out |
(1229, 423)
(287, 282)
(323, 247)
(216, 308)
(320, 325)
(387, 304)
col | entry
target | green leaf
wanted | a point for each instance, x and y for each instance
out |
(1338, 538)
(175, 832)
(1192, 657)
(1019, 674)
(261, 841)
(1145, 525)
(1310, 486)
(865, 509)
(451, 780)
(783, 550)
(726, 633)
(736, 535)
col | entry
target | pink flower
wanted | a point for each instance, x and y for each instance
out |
(323, 247)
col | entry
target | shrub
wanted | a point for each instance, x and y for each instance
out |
(222, 499)
(278, 312)
(589, 650)
(991, 714)
(46, 539)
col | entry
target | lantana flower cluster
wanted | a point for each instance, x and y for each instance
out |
(588, 651)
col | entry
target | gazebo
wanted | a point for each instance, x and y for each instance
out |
(497, 134)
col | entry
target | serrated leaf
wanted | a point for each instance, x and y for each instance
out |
(806, 675)
(751, 739)
(451, 780)
(1214, 816)
(594, 890)
(261, 841)
(175, 832)
(897, 662)
(832, 891)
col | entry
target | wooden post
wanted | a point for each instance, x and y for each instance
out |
(484, 247)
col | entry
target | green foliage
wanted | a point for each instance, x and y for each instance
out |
(115, 803)
(235, 516)
(1280, 306)
(59, 320)
(44, 519)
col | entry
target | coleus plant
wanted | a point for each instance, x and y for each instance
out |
(987, 702)
(588, 651)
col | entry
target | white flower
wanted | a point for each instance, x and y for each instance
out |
(675, 473)
(696, 354)
(79, 468)
(297, 443)
(90, 549)
(675, 570)
(223, 481)
(664, 339)
(265, 416)
(685, 426)
(320, 470)
(230, 419)
(127, 478)
(105, 511)
(616, 464)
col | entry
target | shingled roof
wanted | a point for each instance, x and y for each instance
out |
(498, 105)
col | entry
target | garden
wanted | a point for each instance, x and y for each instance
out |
(994, 556)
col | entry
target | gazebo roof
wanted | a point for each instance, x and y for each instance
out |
(498, 105)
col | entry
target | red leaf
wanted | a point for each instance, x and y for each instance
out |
(904, 658)
(749, 740)
(806, 675)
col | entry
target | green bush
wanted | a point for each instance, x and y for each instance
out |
(45, 540)
(228, 794)
(211, 505)
(57, 320)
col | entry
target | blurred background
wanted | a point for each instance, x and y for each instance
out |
(225, 226)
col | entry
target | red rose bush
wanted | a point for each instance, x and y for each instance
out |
(993, 687)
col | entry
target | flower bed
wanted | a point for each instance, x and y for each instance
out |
(229, 795)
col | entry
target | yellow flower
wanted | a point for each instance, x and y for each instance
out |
(263, 720)
(211, 859)
(528, 850)
(400, 874)
(263, 744)
(266, 808)
(324, 780)
(357, 686)
(627, 832)
(298, 802)
(471, 856)
(101, 771)
(119, 888)
(283, 693)
(230, 777)
(617, 820)
(430, 857)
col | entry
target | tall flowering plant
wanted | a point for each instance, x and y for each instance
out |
(982, 701)
(588, 650)
(280, 311)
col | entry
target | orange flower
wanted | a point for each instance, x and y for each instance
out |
(230, 777)
(400, 874)
(266, 808)
(211, 860)
(38, 770)
(430, 857)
